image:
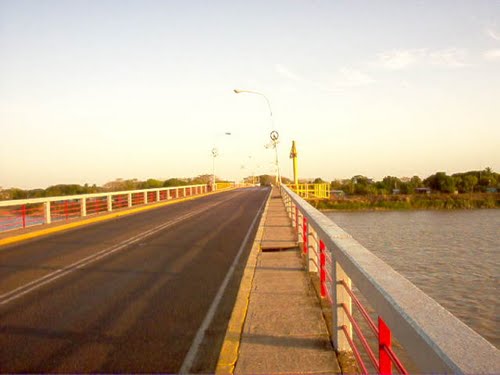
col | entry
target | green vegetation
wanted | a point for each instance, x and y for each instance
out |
(467, 182)
(119, 184)
(410, 202)
(473, 189)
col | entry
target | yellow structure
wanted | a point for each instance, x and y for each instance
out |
(312, 191)
(293, 155)
(308, 191)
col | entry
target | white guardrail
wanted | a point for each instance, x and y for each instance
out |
(22, 213)
(435, 339)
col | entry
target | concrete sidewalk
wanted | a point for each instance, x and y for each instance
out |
(284, 330)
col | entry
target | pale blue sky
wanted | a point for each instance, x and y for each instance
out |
(95, 90)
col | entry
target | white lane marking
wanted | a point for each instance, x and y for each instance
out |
(35, 284)
(200, 334)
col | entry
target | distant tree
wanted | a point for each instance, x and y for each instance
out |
(151, 183)
(441, 182)
(336, 185)
(16, 193)
(389, 183)
(201, 179)
(468, 183)
(361, 185)
(36, 193)
(318, 180)
(266, 180)
(64, 189)
(409, 187)
(175, 182)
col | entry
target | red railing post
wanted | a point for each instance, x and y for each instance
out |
(304, 234)
(322, 267)
(384, 342)
(23, 214)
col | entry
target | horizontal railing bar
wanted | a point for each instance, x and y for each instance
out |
(361, 308)
(395, 360)
(362, 337)
(355, 351)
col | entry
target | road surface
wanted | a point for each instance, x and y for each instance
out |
(129, 294)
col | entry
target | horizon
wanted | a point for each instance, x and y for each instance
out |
(143, 89)
(248, 176)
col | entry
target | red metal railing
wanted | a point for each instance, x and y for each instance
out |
(96, 205)
(65, 210)
(21, 216)
(381, 332)
(28, 212)
(120, 201)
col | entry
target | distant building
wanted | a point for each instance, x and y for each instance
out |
(423, 190)
(396, 191)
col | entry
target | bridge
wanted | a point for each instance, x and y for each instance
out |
(241, 279)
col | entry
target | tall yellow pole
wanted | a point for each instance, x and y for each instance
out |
(293, 155)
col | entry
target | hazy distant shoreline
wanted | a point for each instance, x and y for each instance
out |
(409, 202)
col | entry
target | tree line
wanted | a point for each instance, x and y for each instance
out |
(119, 184)
(465, 182)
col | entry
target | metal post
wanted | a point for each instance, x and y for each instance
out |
(297, 220)
(340, 318)
(312, 255)
(384, 342)
(300, 228)
(305, 234)
(109, 200)
(145, 197)
(157, 195)
(322, 267)
(129, 199)
(184, 193)
(83, 207)
(46, 210)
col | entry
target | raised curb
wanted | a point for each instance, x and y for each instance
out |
(231, 345)
(59, 228)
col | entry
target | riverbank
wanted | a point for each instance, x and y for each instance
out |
(409, 202)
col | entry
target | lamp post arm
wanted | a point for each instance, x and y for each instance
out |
(265, 97)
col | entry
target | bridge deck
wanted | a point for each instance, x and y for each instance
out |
(284, 331)
(127, 295)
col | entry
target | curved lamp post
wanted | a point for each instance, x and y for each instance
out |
(274, 134)
(215, 153)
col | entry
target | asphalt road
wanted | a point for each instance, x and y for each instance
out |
(126, 295)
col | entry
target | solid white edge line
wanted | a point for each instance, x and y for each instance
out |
(200, 334)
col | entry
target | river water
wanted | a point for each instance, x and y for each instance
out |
(453, 256)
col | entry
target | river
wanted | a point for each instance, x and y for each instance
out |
(453, 256)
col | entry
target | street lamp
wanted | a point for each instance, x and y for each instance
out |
(274, 134)
(215, 153)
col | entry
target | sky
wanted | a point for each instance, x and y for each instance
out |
(91, 91)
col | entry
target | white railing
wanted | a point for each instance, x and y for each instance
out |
(22, 213)
(435, 339)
